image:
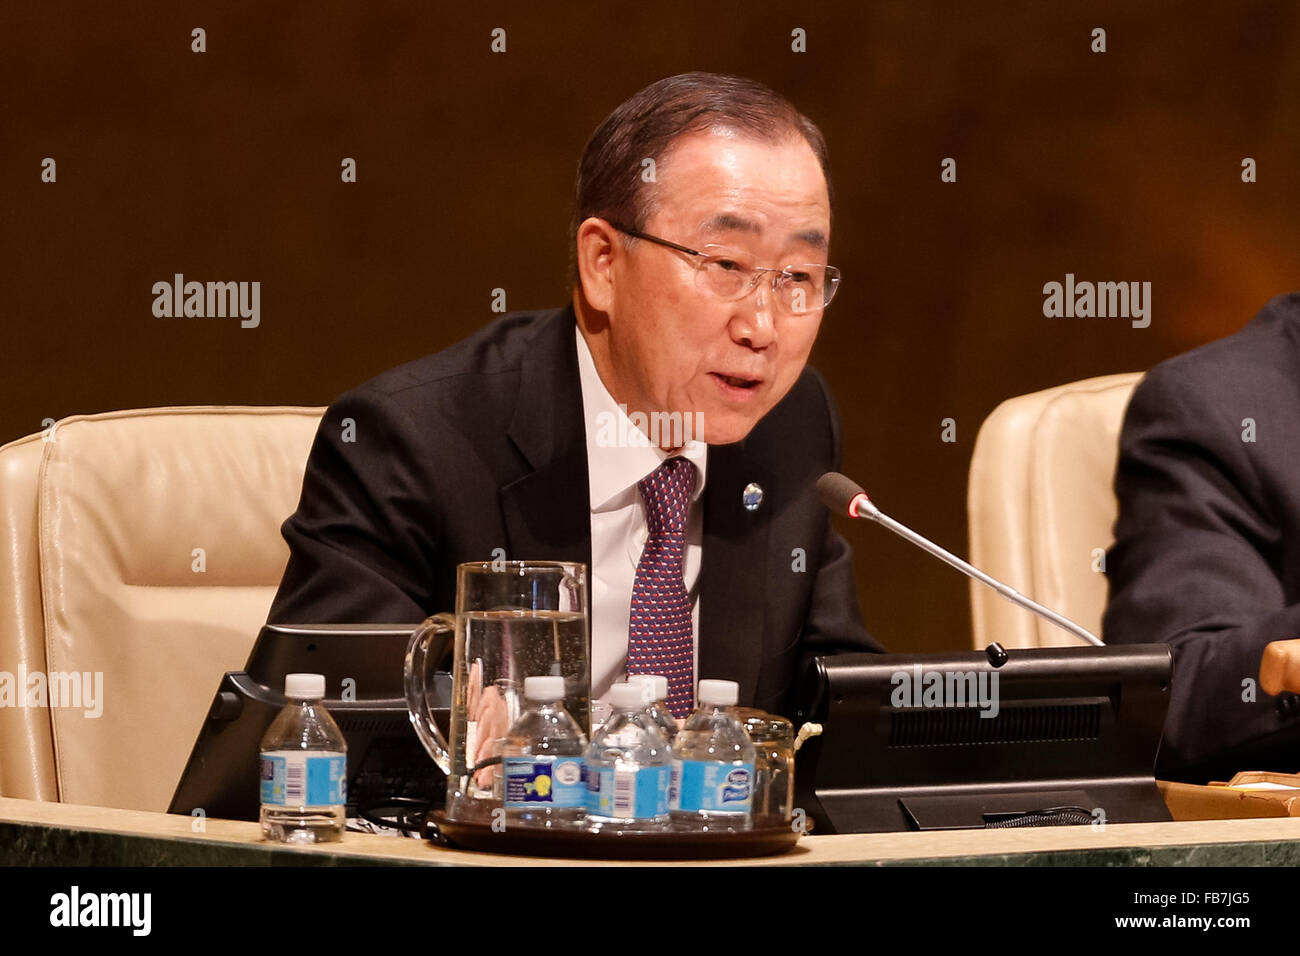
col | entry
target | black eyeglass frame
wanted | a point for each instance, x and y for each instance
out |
(833, 275)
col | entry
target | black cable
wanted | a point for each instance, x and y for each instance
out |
(1051, 817)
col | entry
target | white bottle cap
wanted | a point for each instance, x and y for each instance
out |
(544, 688)
(626, 696)
(655, 686)
(720, 693)
(304, 686)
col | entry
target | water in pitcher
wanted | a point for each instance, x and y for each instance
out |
(500, 649)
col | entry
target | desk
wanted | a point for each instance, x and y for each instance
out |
(60, 834)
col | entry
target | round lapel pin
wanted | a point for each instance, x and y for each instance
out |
(752, 496)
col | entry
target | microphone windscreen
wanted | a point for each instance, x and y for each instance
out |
(836, 491)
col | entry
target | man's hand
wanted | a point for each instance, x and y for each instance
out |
(1279, 668)
(493, 717)
(489, 711)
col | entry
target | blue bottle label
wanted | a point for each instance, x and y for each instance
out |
(713, 786)
(633, 793)
(302, 779)
(549, 781)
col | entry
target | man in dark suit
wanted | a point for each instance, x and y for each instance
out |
(1207, 545)
(699, 288)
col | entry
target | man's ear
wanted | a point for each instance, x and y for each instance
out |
(598, 248)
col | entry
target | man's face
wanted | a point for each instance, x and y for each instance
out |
(675, 346)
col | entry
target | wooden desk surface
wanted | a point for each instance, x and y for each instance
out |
(32, 832)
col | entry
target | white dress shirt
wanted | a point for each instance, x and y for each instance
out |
(618, 524)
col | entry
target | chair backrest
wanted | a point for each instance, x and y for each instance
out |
(1041, 507)
(145, 552)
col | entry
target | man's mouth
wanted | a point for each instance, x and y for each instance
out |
(737, 381)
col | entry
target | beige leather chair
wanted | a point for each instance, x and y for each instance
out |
(144, 546)
(1041, 507)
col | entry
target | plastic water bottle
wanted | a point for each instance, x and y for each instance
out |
(655, 691)
(628, 764)
(713, 764)
(304, 768)
(544, 760)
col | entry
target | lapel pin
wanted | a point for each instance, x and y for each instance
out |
(752, 496)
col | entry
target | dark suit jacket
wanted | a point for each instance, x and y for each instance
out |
(482, 446)
(1207, 544)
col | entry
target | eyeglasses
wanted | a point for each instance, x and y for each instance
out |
(731, 275)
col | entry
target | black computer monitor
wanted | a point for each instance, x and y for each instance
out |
(363, 668)
(1054, 735)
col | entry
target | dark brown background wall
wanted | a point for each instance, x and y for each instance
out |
(224, 166)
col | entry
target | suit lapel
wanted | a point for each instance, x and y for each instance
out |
(734, 573)
(547, 512)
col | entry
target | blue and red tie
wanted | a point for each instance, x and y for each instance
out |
(660, 637)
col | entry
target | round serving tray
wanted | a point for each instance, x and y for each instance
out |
(607, 844)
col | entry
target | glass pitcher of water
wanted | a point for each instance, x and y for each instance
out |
(513, 620)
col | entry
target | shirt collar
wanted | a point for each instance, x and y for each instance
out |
(618, 454)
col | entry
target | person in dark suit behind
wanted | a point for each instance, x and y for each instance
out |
(1207, 545)
(698, 291)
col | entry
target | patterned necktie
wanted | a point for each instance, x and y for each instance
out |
(660, 637)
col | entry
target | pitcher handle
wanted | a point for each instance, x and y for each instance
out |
(429, 641)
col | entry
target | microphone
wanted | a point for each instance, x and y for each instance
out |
(844, 496)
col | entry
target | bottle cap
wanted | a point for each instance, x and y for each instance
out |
(626, 696)
(304, 686)
(544, 688)
(763, 727)
(720, 693)
(656, 686)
